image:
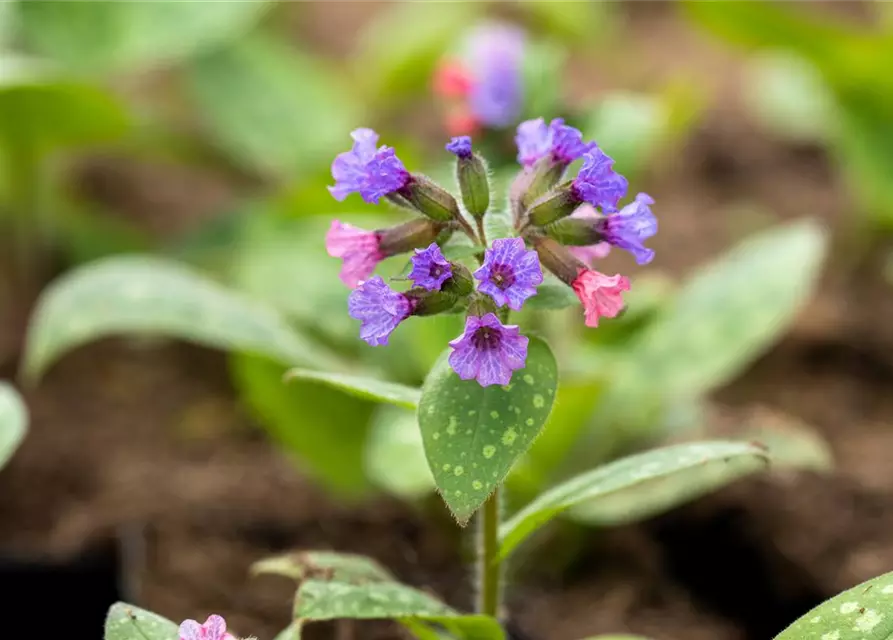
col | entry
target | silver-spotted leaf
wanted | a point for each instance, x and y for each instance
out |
(144, 295)
(332, 600)
(13, 422)
(126, 622)
(638, 486)
(366, 388)
(328, 565)
(864, 612)
(473, 435)
(723, 318)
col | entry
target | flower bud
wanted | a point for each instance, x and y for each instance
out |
(533, 182)
(471, 173)
(555, 205)
(430, 199)
(576, 232)
(481, 305)
(460, 283)
(413, 234)
(429, 303)
(556, 258)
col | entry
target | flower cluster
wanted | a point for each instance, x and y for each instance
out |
(561, 225)
(483, 83)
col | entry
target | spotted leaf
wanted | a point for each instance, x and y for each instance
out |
(126, 622)
(473, 435)
(864, 612)
(637, 486)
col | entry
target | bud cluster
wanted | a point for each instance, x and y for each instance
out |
(560, 225)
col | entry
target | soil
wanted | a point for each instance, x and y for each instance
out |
(143, 479)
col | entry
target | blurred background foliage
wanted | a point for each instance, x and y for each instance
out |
(224, 85)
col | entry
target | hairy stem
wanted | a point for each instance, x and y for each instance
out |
(481, 233)
(489, 568)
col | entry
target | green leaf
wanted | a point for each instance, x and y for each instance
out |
(332, 600)
(395, 61)
(637, 487)
(271, 108)
(291, 632)
(864, 612)
(473, 434)
(323, 428)
(791, 443)
(327, 565)
(126, 622)
(553, 296)
(395, 454)
(334, 585)
(790, 98)
(727, 314)
(629, 127)
(103, 37)
(573, 20)
(142, 295)
(366, 388)
(40, 114)
(13, 422)
(542, 75)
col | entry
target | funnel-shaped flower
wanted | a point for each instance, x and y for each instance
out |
(601, 295)
(630, 227)
(372, 172)
(510, 273)
(429, 268)
(488, 351)
(379, 309)
(359, 249)
(598, 183)
(214, 628)
(559, 142)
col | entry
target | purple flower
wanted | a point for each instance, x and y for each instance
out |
(536, 140)
(214, 628)
(488, 351)
(510, 273)
(429, 268)
(460, 146)
(357, 247)
(495, 55)
(598, 183)
(630, 227)
(371, 172)
(379, 309)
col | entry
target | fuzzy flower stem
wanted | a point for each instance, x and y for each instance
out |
(489, 566)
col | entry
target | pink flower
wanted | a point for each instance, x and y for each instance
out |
(600, 295)
(214, 628)
(357, 247)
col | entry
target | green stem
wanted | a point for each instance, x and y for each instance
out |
(489, 567)
(481, 232)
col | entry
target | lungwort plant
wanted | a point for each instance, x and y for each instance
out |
(484, 401)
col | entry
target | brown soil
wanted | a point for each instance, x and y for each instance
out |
(140, 453)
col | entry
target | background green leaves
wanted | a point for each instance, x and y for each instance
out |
(13, 422)
(103, 37)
